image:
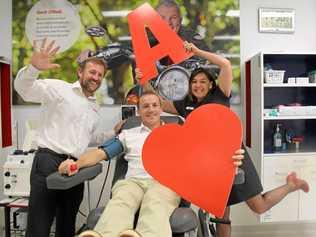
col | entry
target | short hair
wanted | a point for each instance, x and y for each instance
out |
(149, 93)
(169, 3)
(94, 60)
(86, 56)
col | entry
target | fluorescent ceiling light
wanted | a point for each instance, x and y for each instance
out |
(125, 38)
(226, 37)
(233, 13)
(230, 55)
(229, 13)
(121, 13)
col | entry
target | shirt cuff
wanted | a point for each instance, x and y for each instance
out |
(32, 71)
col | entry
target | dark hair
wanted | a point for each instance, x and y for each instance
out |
(149, 93)
(209, 76)
(169, 3)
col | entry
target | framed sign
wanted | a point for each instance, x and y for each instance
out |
(275, 20)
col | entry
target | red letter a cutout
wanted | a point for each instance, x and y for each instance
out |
(170, 44)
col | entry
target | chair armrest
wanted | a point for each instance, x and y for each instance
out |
(183, 219)
(63, 182)
(93, 217)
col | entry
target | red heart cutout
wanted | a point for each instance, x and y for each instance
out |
(195, 159)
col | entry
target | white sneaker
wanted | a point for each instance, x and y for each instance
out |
(90, 233)
(129, 233)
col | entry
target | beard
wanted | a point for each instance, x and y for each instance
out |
(88, 86)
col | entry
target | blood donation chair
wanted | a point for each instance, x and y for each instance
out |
(183, 220)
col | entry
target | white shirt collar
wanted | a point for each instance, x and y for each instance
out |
(143, 127)
(77, 87)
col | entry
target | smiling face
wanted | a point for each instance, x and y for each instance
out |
(171, 15)
(149, 109)
(200, 86)
(90, 77)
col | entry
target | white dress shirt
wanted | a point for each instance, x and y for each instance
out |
(133, 140)
(68, 118)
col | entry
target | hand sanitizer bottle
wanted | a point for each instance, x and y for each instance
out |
(277, 139)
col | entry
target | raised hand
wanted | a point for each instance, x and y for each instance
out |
(190, 47)
(138, 75)
(42, 57)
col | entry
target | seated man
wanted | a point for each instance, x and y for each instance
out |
(139, 189)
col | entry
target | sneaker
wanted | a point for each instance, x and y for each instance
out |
(90, 233)
(129, 233)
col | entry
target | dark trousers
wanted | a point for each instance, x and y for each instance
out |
(45, 204)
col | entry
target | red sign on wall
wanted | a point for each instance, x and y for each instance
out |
(5, 92)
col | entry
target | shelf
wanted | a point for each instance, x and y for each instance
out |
(293, 117)
(292, 108)
(289, 85)
(286, 154)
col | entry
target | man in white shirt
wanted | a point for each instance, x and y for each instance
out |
(138, 189)
(68, 121)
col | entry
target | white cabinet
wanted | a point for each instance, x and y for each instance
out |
(293, 107)
(307, 200)
(296, 205)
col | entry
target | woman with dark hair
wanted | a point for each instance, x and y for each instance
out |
(202, 85)
(204, 90)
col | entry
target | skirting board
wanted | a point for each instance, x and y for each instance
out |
(275, 230)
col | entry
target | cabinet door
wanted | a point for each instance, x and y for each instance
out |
(275, 172)
(307, 209)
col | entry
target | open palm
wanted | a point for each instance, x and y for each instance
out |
(42, 58)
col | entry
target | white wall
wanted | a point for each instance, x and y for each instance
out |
(251, 42)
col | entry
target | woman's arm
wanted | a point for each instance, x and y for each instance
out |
(225, 76)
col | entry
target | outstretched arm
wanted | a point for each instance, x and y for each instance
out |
(225, 76)
(89, 158)
(106, 151)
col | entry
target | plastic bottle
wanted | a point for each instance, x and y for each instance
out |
(277, 139)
